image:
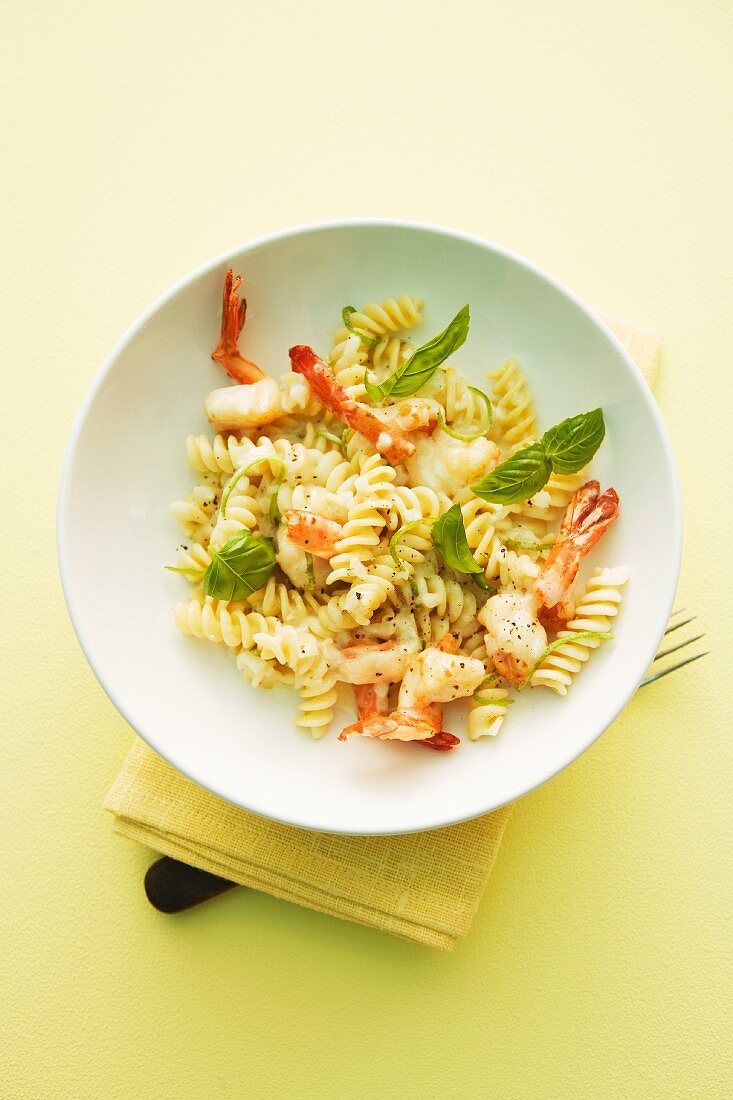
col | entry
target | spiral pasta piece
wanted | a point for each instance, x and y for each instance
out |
(486, 717)
(499, 562)
(212, 456)
(219, 621)
(318, 696)
(391, 315)
(196, 512)
(548, 505)
(513, 405)
(280, 601)
(373, 490)
(595, 611)
(194, 558)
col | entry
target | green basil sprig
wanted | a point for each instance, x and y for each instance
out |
(423, 363)
(241, 567)
(571, 444)
(564, 449)
(449, 539)
(367, 340)
(517, 479)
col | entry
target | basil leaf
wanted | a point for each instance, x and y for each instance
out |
(517, 479)
(240, 568)
(423, 363)
(571, 444)
(367, 341)
(449, 539)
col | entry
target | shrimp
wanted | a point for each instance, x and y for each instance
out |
(295, 565)
(237, 408)
(415, 414)
(433, 677)
(387, 439)
(233, 313)
(515, 638)
(371, 701)
(586, 518)
(314, 534)
(446, 465)
(376, 663)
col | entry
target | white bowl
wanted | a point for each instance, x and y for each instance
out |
(125, 464)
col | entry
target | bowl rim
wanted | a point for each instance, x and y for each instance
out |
(63, 532)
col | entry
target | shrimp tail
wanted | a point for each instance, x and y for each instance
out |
(587, 517)
(233, 314)
(403, 724)
(387, 439)
(440, 742)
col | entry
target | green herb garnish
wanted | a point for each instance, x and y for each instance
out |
(337, 439)
(367, 340)
(449, 539)
(422, 364)
(187, 570)
(564, 449)
(239, 474)
(478, 432)
(517, 479)
(571, 444)
(310, 570)
(570, 637)
(394, 541)
(241, 567)
(527, 545)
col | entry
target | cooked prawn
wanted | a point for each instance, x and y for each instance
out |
(446, 465)
(414, 414)
(387, 439)
(237, 408)
(314, 534)
(433, 677)
(371, 700)
(233, 313)
(515, 638)
(375, 663)
(586, 518)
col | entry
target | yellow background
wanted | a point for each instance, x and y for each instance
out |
(141, 139)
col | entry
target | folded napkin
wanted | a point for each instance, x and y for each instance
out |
(424, 886)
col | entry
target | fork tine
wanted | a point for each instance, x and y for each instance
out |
(680, 645)
(677, 612)
(673, 668)
(676, 626)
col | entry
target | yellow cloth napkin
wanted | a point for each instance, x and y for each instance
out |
(425, 886)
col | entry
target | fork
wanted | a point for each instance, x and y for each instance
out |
(172, 886)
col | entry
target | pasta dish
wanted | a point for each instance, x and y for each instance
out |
(372, 519)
